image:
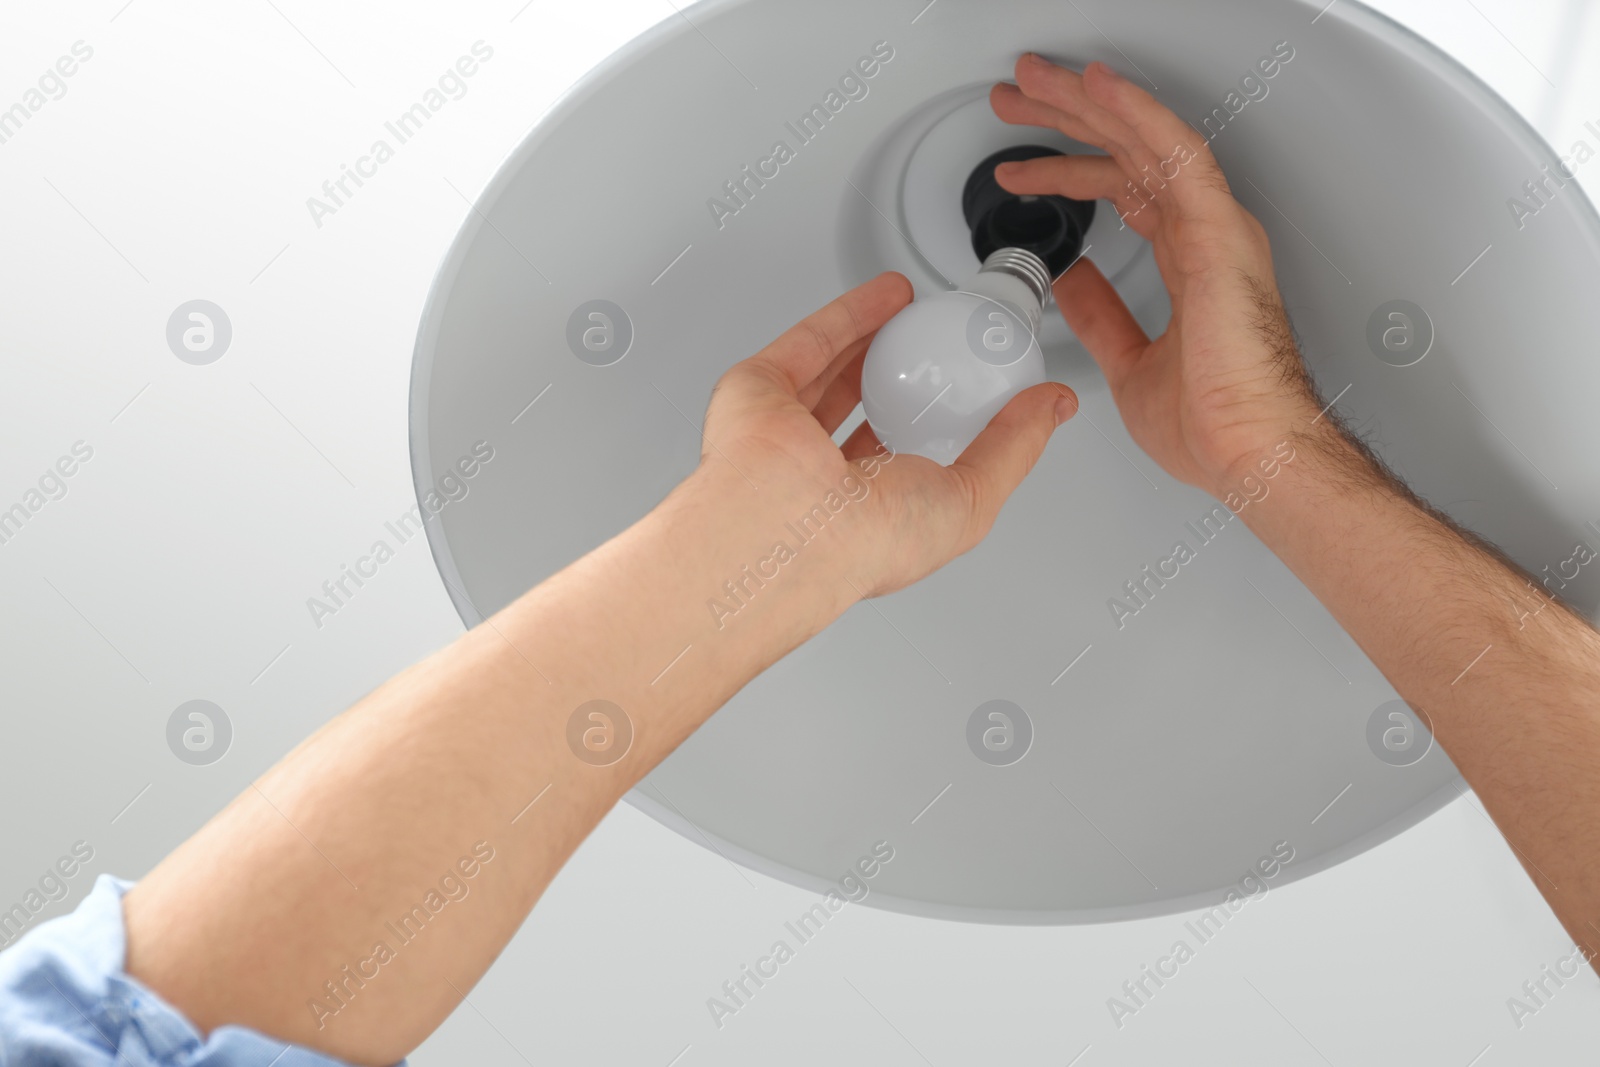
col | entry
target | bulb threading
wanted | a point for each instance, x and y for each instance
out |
(1022, 265)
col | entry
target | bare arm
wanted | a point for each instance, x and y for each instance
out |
(354, 894)
(1509, 677)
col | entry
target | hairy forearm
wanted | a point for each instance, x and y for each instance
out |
(464, 763)
(1508, 676)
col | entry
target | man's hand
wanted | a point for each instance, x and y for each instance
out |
(1507, 675)
(768, 443)
(1224, 384)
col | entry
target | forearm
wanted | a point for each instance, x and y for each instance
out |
(1509, 678)
(454, 793)
(332, 847)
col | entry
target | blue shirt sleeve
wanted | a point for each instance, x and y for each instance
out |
(66, 1002)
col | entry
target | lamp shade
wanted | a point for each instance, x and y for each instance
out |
(1078, 721)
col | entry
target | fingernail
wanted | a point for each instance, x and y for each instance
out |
(1066, 407)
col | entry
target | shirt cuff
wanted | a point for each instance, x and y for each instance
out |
(65, 999)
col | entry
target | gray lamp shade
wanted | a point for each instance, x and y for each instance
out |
(1077, 721)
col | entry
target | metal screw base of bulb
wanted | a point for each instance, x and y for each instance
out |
(1022, 265)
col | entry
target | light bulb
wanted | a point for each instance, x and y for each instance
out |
(942, 368)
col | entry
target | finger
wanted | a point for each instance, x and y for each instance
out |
(841, 397)
(1012, 105)
(997, 460)
(1109, 178)
(819, 386)
(1097, 316)
(808, 347)
(1064, 90)
(1081, 178)
(861, 443)
(1167, 136)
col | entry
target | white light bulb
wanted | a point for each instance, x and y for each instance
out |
(942, 368)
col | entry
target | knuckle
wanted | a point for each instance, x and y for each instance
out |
(974, 494)
(817, 338)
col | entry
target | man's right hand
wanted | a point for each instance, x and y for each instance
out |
(1508, 676)
(1225, 384)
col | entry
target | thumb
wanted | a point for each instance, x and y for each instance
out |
(997, 460)
(1095, 313)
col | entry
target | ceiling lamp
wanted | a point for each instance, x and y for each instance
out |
(1069, 724)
